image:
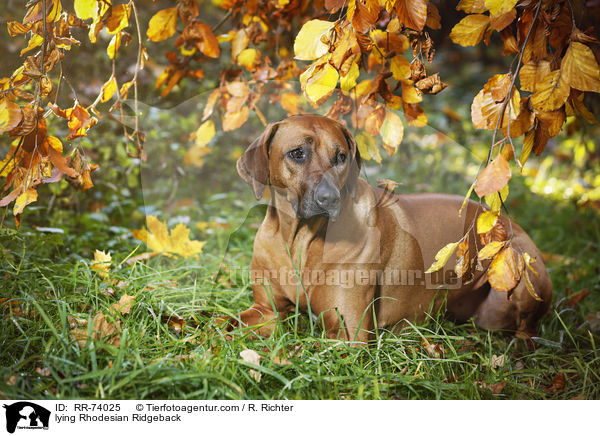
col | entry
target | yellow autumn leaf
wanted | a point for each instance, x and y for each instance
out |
(530, 287)
(318, 83)
(580, 68)
(532, 73)
(55, 143)
(101, 263)
(24, 199)
(309, 44)
(181, 243)
(462, 258)
(162, 24)
(486, 221)
(160, 241)
(400, 68)
(35, 41)
(348, 81)
(470, 30)
(551, 92)
(528, 143)
(205, 133)
(410, 94)
(472, 6)
(8, 163)
(505, 270)
(113, 45)
(248, 58)
(392, 130)
(528, 262)
(367, 147)
(108, 89)
(10, 115)
(119, 18)
(490, 250)
(499, 7)
(442, 257)
(493, 201)
(464, 203)
(86, 9)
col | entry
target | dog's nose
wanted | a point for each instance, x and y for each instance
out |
(327, 195)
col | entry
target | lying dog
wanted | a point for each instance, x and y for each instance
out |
(356, 255)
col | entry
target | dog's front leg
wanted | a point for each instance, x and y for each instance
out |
(260, 319)
(269, 305)
(347, 314)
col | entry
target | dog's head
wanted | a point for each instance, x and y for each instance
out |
(313, 160)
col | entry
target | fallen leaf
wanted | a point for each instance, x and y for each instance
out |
(101, 263)
(496, 388)
(101, 329)
(434, 350)
(578, 297)
(497, 361)
(558, 383)
(159, 240)
(252, 357)
(124, 304)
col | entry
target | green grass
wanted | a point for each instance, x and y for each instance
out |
(50, 277)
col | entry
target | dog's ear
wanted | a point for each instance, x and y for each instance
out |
(355, 161)
(253, 165)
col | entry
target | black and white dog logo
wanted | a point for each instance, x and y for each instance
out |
(26, 415)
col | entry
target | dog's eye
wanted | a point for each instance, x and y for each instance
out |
(297, 154)
(341, 158)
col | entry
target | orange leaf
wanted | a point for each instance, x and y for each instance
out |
(412, 13)
(494, 177)
(505, 270)
(234, 120)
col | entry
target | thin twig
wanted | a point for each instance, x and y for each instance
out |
(512, 83)
(220, 23)
(138, 63)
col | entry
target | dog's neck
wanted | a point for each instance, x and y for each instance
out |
(287, 220)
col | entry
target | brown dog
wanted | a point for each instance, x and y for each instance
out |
(356, 255)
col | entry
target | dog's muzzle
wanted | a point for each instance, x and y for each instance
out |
(326, 198)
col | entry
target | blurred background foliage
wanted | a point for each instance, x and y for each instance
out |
(556, 199)
(444, 156)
